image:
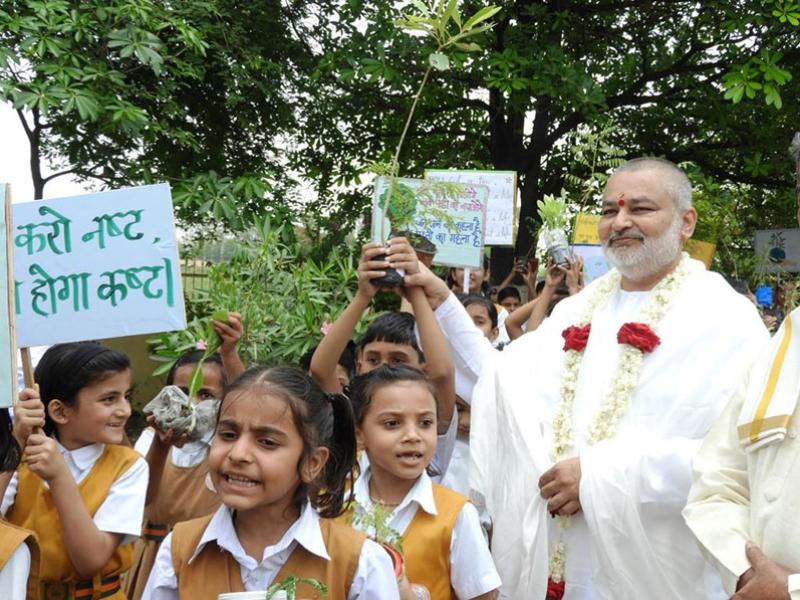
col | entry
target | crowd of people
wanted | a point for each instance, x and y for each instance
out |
(636, 437)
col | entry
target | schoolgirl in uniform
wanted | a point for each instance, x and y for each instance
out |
(279, 460)
(178, 469)
(79, 490)
(443, 546)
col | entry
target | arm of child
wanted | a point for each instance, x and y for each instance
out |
(472, 572)
(88, 548)
(470, 350)
(326, 356)
(516, 319)
(438, 364)
(157, 455)
(230, 333)
(555, 275)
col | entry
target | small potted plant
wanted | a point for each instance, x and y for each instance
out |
(553, 213)
(282, 590)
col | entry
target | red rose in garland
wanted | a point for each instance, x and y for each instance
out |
(555, 591)
(638, 335)
(576, 338)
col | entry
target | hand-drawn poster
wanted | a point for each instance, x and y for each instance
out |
(447, 217)
(500, 211)
(96, 266)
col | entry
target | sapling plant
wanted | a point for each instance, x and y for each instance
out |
(289, 587)
(440, 22)
(553, 213)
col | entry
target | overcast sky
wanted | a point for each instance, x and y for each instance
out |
(14, 165)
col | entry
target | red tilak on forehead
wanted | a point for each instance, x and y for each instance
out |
(621, 200)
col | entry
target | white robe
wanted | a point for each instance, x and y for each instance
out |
(629, 541)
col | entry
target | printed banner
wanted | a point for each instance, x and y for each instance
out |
(96, 266)
(500, 210)
(448, 218)
(8, 349)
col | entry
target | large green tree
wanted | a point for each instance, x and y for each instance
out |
(708, 82)
(130, 91)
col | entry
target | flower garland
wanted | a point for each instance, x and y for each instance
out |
(637, 339)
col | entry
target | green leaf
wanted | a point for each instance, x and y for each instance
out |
(439, 61)
(483, 14)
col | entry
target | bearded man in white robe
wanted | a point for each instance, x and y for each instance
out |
(583, 431)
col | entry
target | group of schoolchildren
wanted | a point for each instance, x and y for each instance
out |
(267, 494)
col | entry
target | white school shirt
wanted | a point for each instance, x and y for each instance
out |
(123, 509)
(190, 454)
(373, 580)
(14, 575)
(472, 571)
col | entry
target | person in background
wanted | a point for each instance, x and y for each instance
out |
(527, 271)
(509, 298)
(559, 283)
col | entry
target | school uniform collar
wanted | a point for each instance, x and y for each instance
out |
(83, 458)
(421, 493)
(304, 531)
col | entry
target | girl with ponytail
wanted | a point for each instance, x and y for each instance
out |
(280, 461)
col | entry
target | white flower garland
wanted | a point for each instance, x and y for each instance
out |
(617, 399)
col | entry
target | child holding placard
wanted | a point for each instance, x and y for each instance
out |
(177, 490)
(280, 459)
(78, 488)
(392, 339)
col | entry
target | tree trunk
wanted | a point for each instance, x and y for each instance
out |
(34, 133)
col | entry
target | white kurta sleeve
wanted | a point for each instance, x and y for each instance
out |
(718, 512)
(374, 577)
(162, 583)
(469, 348)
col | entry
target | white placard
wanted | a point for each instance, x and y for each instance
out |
(778, 250)
(96, 266)
(502, 200)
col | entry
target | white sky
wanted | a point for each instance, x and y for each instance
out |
(15, 167)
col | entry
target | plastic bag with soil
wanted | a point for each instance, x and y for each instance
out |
(173, 409)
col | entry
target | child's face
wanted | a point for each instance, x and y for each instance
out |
(480, 316)
(398, 431)
(99, 414)
(476, 277)
(464, 417)
(375, 354)
(212, 381)
(510, 303)
(256, 450)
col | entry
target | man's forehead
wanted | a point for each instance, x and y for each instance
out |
(636, 187)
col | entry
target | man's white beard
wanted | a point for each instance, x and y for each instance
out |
(652, 256)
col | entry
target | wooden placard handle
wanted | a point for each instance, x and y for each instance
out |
(27, 367)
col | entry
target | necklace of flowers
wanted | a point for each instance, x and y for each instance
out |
(637, 339)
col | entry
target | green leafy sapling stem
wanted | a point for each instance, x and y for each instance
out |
(435, 22)
(213, 343)
(289, 585)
